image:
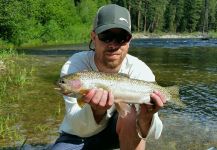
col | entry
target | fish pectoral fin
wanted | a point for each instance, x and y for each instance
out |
(123, 109)
(80, 102)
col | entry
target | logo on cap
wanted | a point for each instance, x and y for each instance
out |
(123, 19)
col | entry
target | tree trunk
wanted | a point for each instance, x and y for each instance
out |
(139, 16)
(205, 21)
(144, 24)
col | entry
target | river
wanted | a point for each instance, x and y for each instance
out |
(190, 64)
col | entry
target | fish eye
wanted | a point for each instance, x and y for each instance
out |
(62, 81)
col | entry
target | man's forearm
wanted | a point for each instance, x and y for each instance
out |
(143, 127)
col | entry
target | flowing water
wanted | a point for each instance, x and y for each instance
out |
(192, 68)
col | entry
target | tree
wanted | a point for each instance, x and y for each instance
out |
(155, 16)
(212, 20)
(179, 14)
(170, 14)
(192, 11)
(18, 23)
(215, 26)
(206, 13)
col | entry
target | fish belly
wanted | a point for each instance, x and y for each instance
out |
(131, 97)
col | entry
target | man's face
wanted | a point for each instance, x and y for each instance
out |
(111, 47)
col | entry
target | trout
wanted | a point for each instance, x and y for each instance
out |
(124, 89)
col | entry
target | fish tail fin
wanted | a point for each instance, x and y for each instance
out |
(175, 96)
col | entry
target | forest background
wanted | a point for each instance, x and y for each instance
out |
(37, 22)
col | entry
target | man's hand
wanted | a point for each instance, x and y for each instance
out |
(100, 100)
(147, 111)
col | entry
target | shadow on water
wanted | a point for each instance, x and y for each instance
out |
(39, 108)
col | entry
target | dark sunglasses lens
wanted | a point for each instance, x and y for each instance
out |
(120, 38)
(105, 37)
(123, 38)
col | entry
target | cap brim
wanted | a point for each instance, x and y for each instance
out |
(110, 26)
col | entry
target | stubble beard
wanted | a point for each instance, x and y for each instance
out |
(112, 64)
(109, 63)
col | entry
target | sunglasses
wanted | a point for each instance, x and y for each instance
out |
(109, 36)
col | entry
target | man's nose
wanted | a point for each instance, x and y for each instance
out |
(114, 45)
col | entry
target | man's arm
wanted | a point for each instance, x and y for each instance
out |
(147, 112)
(128, 130)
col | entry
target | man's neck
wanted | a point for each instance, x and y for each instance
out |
(102, 68)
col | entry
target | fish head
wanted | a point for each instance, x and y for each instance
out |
(69, 87)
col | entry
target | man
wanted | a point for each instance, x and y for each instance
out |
(96, 125)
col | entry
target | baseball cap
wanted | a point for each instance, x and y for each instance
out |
(112, 16)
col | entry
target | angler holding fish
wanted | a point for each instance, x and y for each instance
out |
(94, 91)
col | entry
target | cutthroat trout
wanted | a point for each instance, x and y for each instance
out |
(124, 89)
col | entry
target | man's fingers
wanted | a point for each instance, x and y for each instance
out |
(156, 100)
(110, 99)
(103, 99)
(162, 96)
(97, 97)
(89, 95)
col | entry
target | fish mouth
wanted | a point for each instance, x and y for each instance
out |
(61, 89)
(65, 93)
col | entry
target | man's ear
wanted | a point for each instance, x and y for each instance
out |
(93, 36)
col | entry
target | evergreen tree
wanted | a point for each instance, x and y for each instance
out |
(212, 12)
(170, 14)
(215, 26)
(155, 16)
(192, 11)
(179, 14)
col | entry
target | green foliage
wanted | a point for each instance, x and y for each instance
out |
(212, 10)
(5, 53)
(59, 21)
(87, 10)
(179, 15)
(50, 21)
(170, 15)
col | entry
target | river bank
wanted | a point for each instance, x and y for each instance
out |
(85, 45)
(173, 36)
